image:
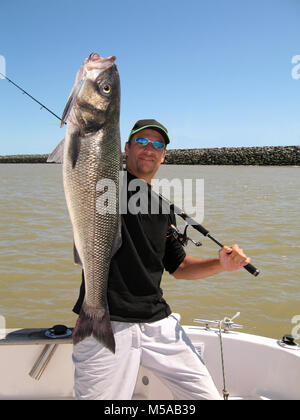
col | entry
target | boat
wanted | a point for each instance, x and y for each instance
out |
(37, 364)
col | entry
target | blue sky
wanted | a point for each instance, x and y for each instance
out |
(216, 73)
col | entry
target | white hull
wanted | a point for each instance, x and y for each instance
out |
(255, 367)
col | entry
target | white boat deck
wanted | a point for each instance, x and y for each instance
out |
(33, 366)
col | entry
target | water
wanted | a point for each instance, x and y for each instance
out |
(256, 207)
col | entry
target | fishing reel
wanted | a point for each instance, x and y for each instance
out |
(182, 238)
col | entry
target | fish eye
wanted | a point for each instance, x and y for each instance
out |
(106, 89)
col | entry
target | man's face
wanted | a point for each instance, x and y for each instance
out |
(144, 161)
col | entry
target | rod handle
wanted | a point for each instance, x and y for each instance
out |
(197, 227)
(251, 269)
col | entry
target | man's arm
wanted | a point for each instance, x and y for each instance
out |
(230, 259)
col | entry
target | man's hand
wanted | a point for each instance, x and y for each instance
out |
(233, 258)
(230, 259)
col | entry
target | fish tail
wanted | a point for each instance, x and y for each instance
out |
(96, 324)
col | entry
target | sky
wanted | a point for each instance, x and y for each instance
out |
(216, 73)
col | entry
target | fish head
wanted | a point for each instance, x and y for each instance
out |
(95, 95)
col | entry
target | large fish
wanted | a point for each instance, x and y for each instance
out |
(91, 164)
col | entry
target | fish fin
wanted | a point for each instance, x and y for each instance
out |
(77, 259)
(103, 332)
(57, 155)
(74, 149)
(67, 109)
(96, 324)
(70, 102)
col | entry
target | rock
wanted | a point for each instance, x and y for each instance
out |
(265, 156)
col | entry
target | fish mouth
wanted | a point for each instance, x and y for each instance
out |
(96, 62)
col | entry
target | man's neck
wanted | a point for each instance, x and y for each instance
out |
(146, 178)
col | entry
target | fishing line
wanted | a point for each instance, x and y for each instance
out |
(34, 99)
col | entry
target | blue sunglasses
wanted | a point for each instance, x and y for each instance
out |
(156, 144)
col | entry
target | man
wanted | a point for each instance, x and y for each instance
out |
(145, 330)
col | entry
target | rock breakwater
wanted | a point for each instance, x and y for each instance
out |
(264, 156)
(24, 159)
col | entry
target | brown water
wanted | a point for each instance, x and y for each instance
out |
(256, 207)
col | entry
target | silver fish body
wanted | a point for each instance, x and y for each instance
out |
(92, 155)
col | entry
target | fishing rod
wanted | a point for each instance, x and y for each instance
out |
(26, 93)
(191, 222)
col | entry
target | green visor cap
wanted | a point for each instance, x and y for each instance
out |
(153, 124)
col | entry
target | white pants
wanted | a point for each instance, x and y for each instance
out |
(162, 346)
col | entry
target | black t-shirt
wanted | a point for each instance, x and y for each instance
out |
(134, 293)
